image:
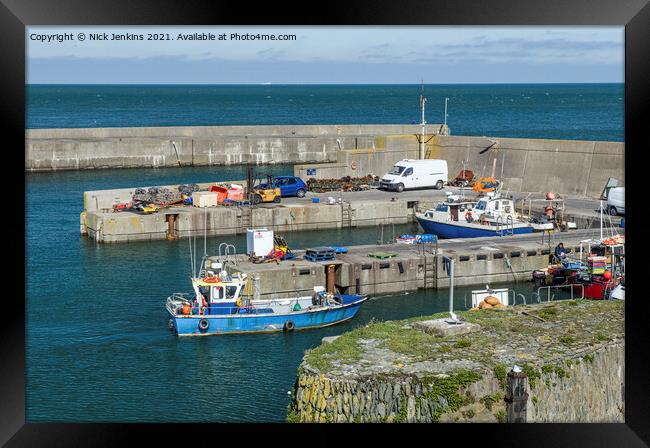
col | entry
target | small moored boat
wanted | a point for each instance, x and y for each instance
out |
(222, 304)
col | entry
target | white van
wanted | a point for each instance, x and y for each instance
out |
(415, 174)
(616, 201)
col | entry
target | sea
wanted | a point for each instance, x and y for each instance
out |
(557, 111)
(98, 348)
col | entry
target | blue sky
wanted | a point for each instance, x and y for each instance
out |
(352, 55)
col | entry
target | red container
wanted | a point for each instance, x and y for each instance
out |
(222, 193)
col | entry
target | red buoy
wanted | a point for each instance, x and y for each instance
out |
(550, 196)
(607, 275)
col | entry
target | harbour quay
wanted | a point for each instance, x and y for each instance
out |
(355, 209)
(370, 208)
(403, 268)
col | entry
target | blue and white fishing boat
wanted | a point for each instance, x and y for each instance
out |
(490, 215)
(223, 304)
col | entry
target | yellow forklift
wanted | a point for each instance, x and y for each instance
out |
(264, 192)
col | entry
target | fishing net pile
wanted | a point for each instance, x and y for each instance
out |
(346, 183)
(155, 195)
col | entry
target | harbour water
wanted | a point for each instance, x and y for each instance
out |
(558, 111)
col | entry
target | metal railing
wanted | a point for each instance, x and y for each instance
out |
(518, 299)
(571, 288)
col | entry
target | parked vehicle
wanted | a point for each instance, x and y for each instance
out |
(616, 201)
(415, 174)
(288, 185)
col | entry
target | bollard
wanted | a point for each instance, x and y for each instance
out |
(516, 396)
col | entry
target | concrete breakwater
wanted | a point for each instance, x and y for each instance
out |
(571, 353)
(93, 148)
(569, 167)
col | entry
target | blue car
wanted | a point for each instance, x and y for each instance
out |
(288, 185)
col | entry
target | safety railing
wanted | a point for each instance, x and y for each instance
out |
(512, 299)
(226, 253)
(571, 289)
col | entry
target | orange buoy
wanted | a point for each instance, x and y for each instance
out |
(186, 309)
(211, 279)
(607, 275)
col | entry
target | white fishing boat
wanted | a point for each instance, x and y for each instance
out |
(460, 217)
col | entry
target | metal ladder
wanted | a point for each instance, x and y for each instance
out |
(507, 228)
(346, 214)
(510, 226)
(246, 217)
(430, 274)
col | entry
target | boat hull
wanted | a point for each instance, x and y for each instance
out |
(264, 323)
(448, 230)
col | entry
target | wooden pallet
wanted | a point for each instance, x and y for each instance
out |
(382, 255)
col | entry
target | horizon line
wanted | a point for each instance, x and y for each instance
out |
(308, 83)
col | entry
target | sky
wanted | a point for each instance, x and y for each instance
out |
(325, 55)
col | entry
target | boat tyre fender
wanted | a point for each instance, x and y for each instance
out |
(170, 324)
(204, 324)
(289, 326)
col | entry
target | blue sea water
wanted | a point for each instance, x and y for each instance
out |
(559, 111)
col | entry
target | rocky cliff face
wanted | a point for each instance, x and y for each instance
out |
(572, 353)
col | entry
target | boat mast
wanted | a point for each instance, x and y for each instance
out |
(423, 100)
(601, 220)
(446, 100)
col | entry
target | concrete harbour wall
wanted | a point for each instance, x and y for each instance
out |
(591, 392)
(94, 148)
(392, 371)
(570, 167)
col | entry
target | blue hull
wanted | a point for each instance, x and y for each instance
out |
(264, 323)
(445, 230)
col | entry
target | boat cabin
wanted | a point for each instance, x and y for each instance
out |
(219, 294)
